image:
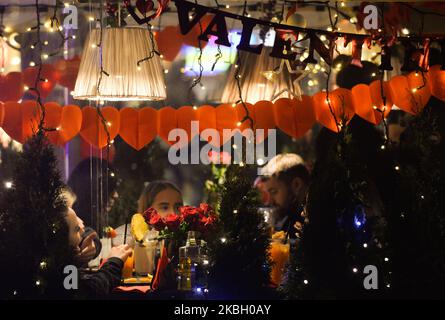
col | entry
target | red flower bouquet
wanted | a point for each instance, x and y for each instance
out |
(201, 219)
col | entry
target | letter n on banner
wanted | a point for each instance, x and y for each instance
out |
(316, 44)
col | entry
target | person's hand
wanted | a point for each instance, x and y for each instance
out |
(122, 252)
(87, 250)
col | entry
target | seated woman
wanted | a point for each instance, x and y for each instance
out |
(163, 196)
(101, 283)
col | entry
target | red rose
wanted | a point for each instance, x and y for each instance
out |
(206, 223)
(147, 214)
(190, 214)
(157, 222)
(206, 209)
(172, 221)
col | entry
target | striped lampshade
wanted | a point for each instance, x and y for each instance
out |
(254, 84)
(122, 48)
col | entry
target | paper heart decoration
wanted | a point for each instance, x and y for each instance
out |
(264, 119)
(93, 130)
(2, 113)
(67, 120)
(294, 117)
(138, 127)
(167, 121)
(11, 86)
(21, 120)
(45, 87)
(169, 42)
(68, 70)
(340, 107)
(144, 6)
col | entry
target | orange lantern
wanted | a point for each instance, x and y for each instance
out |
(21, 120)
(138, 127)
(93, 126)
(265, 119)
(402, 94)
(335, 112)
(363, 104)
(11, 86)
(66, 120)
(68, 70)
(437, 82)
(49, 77)
(167, 122)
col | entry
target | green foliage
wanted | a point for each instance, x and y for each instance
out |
(213, 187)
(34, 245)
(239, 248)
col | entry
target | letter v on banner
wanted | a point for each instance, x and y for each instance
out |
(184, 7)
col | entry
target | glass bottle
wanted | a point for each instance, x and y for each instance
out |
(188, 262)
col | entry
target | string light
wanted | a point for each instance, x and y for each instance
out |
(386, 259)
(195, 108)
(305, 281)
(223, 240)
(8, 184)
(414, 90)
(235, 211)
(405, 31)
(227, 6)
(397, 168)
(354, 270)
(365, 245)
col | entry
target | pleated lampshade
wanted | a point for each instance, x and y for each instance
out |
(122, 48)
(254, 85)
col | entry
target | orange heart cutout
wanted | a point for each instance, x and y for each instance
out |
(138, 127)
(11, 86)
(45, 87)
(285, 114)
(207, 120)
(169, 42)
(304, 115)
(375, 89)
(21, 120)
(334, 113)
(420, 88)
(265, 119)
(437, 82)
(2, 113)
(66, 120)
(363, 104)
(92, 129)
(402, 94)
(241, 113)
(167, 122)
(226, 122)
(185, 116)
(68, 70)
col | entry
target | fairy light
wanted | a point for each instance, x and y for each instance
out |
(109, 124)
(93, 45)
(397, 168)
(323, 37)
(223, 240)
(373, 74)
(161, 56)
(355, 270)
(414, 90)
(342, 4)
(238, 124)
(405, 31)
(195, 108)
(227, 6)
(139, 68)
(305, 281)
(203, 88)
(8, 184)
(365, 245)
(38, 283)
(329, 29)
(386, 259)
(91, 19)
(310, 83)
(382, 147)
(112, 174)
(166, 71)
(260, 162)
(235, 211)
(45, 56)
(233, 105)
(8, 29)
(26, 88)
(73, 37)
(241, 164)
(235, 146)
(43, 265)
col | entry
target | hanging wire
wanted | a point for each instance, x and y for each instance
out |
(55, 21)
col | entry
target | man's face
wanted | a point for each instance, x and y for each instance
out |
(75, 228)
(279, 195)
